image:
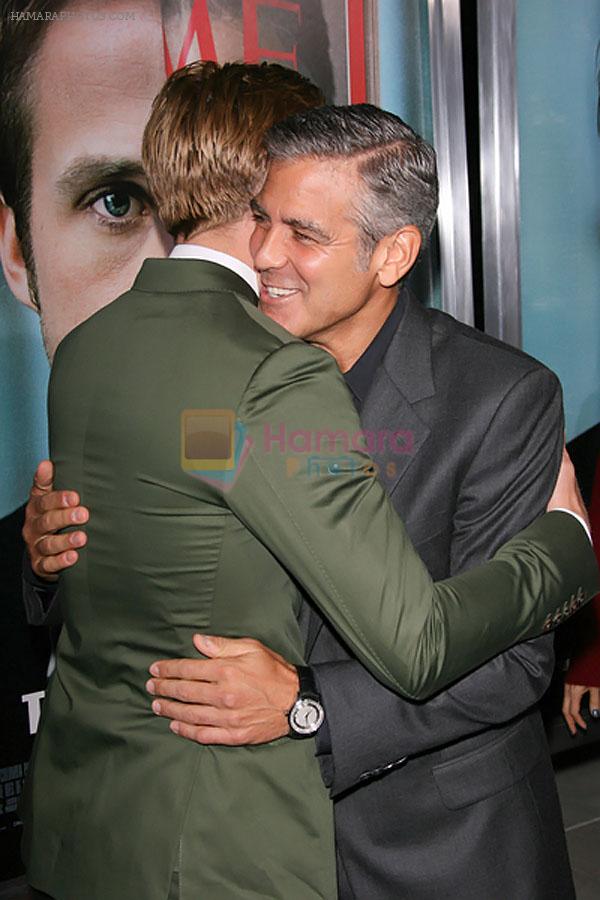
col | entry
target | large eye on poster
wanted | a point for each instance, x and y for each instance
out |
(329, 41)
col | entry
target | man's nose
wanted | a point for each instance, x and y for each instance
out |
(268, 249)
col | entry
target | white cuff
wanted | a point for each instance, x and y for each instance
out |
(581, 521)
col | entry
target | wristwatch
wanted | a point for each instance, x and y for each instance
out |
(307, 714)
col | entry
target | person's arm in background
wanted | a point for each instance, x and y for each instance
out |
(506, 486)
(583, 674)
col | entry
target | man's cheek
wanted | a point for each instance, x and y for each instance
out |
(108, 252)
(297, 320)
(109, 264)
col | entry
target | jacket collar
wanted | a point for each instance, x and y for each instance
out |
(184, 276)
(408, 359)
(209, 254)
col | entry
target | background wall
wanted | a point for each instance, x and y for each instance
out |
(405, 84)
(23, 382)
(557, 82)
(405, 89)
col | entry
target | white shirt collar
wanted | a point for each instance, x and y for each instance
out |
(197, 251)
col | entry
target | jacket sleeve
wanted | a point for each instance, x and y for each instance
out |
(40, 597)
(311, 498)
(506, 485)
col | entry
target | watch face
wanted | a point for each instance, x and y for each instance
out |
(306, 716)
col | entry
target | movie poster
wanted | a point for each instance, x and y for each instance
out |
(79, 78)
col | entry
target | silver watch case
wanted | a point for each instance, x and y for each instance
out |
(306, 716)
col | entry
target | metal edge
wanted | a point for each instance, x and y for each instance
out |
(372, 47)
(454, 226)
(499, 168)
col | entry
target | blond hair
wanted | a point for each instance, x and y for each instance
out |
(203, 144)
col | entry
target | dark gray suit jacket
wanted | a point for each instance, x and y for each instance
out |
(473, 812)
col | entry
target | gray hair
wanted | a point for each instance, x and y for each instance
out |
(397, 167)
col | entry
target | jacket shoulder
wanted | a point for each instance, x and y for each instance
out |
(195, 320)
(476, 360)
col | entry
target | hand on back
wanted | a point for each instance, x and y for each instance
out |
(48, 512)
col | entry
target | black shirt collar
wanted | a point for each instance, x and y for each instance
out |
(360, 377)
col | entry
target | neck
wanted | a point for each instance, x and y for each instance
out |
(347, 340)
(233, 239)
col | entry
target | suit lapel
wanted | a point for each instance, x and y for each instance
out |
(398, 430)
(404, 378)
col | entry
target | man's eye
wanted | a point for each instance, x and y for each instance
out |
(118, 205)
(304, 238)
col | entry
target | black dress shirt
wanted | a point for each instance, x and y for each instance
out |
(360, 377)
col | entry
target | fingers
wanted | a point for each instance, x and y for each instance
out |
(47, 566)
(50, 552)
(43, 477)
(55, 544)
(566, 494)
(566, 710)
(40, 530)
(55, 500)
(186, 691)
(186, 669)
(62, 558)
(198, 714)
(208, 735)
(47, 513)
(229, 700)
(214, 647)
(211, 725)
(571, 708)
(595, 702)
(226, 671)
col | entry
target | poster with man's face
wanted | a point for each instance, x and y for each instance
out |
(83, 76)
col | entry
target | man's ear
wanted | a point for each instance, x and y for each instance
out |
(11, 257)
(398, 253)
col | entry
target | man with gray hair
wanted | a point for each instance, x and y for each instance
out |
(454, 797)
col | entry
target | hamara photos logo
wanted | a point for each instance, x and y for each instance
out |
(215, 446)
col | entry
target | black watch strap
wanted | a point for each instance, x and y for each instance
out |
(307, 682)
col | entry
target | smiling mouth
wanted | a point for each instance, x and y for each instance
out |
(268, 292)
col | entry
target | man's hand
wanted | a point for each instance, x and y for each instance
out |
(240, 695)
(566, 493)
(46, 513)
(571, 708)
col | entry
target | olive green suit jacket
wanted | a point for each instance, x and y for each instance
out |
(116, 804)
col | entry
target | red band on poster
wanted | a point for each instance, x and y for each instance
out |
(199, 25)
(253, 52)
(356, 52)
